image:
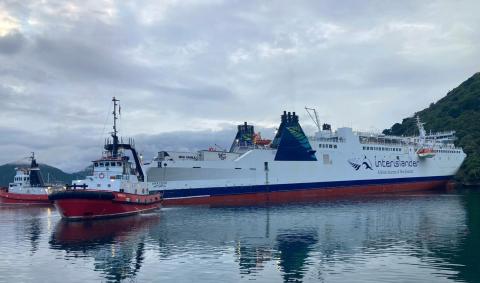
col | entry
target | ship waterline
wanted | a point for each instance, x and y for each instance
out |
(300, 192)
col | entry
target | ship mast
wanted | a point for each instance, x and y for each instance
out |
(33, 163)
(314, 119)
(421, 130)
(114, 133)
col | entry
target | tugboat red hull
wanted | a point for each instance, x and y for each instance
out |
(89, 204)
(25, 199)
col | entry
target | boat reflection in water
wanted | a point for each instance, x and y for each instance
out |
(294, 247)
(116, 245)
(400, 238)
(371, 237)
(29, 227)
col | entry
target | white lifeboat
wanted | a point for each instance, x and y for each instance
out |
(425, 152)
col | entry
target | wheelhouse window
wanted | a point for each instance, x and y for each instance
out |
(95, 164)
(112, 164)
(101, 164)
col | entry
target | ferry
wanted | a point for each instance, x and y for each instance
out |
(294, 166)
(28, 187)
(115, 188)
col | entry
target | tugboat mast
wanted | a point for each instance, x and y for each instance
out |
(33, 163)
(113, 147)
(114, 133)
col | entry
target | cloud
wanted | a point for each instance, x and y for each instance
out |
(187, 72)
(11, 43)
(8, 23)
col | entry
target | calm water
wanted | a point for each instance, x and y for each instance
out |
(404, 238)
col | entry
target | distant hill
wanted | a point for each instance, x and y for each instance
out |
(7, 172)
(459, 110)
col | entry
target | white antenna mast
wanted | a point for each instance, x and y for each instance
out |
(421, 130)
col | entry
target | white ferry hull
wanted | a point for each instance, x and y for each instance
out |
(248, 180)
(329, 164)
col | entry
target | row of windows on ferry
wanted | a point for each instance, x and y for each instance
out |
(445, 151)
(21, 179)
(106, 164)
(399, 149)
(381, 148)
(327, 146)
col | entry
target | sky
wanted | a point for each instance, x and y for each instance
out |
(188, 71)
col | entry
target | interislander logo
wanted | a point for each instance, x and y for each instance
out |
(358, 163)
(395, 163)
(365, 163)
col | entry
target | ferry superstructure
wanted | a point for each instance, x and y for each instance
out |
(340, 162)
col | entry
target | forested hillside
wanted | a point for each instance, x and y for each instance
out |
(459, 110)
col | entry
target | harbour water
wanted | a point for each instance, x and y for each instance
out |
(414, 237)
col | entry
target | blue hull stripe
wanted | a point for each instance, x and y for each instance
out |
(236, 190)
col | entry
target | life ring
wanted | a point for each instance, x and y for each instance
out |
(101, 175)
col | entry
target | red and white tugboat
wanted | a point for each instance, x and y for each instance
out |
(116, 187)
(28, 187)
